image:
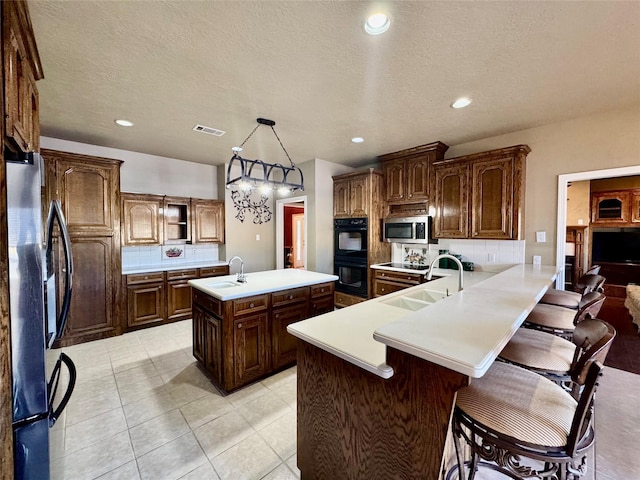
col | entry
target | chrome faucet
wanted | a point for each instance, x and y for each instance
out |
(240, 277)
(446, 255)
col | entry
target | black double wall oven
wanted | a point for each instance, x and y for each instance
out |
(350, 255)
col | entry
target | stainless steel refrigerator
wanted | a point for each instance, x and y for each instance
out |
(40, 283)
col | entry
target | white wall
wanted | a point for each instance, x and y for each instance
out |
(142, 173)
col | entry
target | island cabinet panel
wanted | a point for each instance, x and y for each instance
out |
(141, 216)
(213, 349)
(250, 348)
(322, 299)
(288, 306)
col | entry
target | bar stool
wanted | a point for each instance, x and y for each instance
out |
(553, 356)
(562, 321)
(512, 413)
(568, 299)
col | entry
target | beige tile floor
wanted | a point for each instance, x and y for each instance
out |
(143, 410)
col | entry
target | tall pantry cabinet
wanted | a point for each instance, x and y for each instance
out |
(88, 189)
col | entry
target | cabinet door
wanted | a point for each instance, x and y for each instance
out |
(198, 334)
(283, 344)
(635, 207)
(341, 198)
(417, 179)
(359, 196)
(208, 221)
(610, 208)
(250, 347)
(213, 347)
(321, 305)
(89, 195)
(492, 204)
(141, 220)
(93, 312)
(452, 201)
(146, 304)
(394, 180)
(176, 215)
(178, 300)
(15, 69)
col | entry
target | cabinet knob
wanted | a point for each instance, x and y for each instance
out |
(251, 305)
(290, 297)
(322, 290)
(239, 325)
(382, 289)
(146, 278)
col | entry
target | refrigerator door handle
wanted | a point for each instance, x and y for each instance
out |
(55, 212)
(54, 414)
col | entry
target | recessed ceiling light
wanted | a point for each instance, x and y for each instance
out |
(357, 139)
(124, 123)
(377, 24)
(461, 102)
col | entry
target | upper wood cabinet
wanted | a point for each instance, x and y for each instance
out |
(616, 208)
(141, 215)
(22, 68)
(481, 196)
(207, 220)
(407, 172)
(357, 194)
(157, 220)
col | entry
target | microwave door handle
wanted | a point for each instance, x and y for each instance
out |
(54, 414)
(55, 212)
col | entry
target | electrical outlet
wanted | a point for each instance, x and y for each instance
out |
(491, 257)
(541, 237)
(537, 260)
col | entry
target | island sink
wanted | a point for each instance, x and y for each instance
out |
(223, 284)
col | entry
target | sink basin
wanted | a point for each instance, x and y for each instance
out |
(427, 295)
(407, 303)
(218, 285)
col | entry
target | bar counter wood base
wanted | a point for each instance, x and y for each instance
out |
(355, 425)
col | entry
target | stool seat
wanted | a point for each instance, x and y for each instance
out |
(552, 316)
(562, 298)
(519, 404)
(540, 351)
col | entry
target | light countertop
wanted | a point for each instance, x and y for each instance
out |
(172, 266)
(259, 282)
(464, 331)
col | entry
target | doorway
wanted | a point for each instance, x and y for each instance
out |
(563, 183)
(291, 232)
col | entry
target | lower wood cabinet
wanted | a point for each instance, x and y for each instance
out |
(345, 300)
(388, 281)
(240, 341)
(156, 298)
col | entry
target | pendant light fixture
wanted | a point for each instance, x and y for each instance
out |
(257, 174)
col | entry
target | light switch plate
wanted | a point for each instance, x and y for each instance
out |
(541, 237)
(537, 260)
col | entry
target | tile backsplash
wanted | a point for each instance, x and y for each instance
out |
(156, 256)
(485, 254)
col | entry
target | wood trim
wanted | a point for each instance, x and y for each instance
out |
(353, 424)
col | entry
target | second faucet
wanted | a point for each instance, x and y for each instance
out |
(240, 277)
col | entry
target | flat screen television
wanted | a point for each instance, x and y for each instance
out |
(616, 246)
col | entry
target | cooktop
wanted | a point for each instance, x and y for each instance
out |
(408, 266)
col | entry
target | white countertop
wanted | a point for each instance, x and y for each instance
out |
(464, 332)
(171, 266)
(260, 282)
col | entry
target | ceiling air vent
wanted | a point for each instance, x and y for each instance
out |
(211, 131)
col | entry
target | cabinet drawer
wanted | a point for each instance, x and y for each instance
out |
(182, 274)
(250, 304)
(383, 287)
(322, 289)
(213, 271)
(345, 300)
(209, 303)
(287, 297)
(409, 278)
(145, 278)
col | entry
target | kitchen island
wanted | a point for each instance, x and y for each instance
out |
(377, 381)
(240, 329)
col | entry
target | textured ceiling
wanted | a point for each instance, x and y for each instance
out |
(308, 65)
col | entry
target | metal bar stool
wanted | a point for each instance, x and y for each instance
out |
(568, 299)
(512, 413)
(553, 356)
(562, 321)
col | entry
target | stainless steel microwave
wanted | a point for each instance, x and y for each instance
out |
(407, 229)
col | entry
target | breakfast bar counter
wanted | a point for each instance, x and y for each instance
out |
(375, 397)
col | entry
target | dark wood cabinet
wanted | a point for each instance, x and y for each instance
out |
(22, 68)
(88, 190)
(177, 220)
(407, 173)
(481, 196)
(207, 221)
(141, 216)
(357, 194)
(146, 299)
(618, 208)
(240, 341)
(388, 281)
(179, 294)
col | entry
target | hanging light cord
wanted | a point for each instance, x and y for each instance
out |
(279, 141)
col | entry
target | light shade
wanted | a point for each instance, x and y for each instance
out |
(377, 24)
